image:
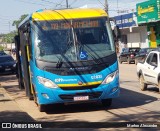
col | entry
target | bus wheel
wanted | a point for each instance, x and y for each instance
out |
(34, 96)
(41, 108)
(107, 102)
(143, 86)
(31, 97)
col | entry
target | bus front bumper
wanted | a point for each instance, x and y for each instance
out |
(58, 95)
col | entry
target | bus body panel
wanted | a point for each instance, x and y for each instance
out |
(53, 93)
(69, 87)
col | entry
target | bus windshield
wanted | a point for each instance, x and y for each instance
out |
(73, 40)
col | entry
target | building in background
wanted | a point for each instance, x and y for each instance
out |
(148, 14)
(132, 35)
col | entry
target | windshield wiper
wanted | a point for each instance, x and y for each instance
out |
(81, 46)
(60, 62)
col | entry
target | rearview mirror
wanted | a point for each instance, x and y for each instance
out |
(116, 33)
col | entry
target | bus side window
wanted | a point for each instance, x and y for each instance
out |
(28, 43)
(30, 47)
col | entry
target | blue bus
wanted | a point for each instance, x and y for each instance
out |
(67, 56)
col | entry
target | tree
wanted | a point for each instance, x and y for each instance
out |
(17, 22)
(9, 38)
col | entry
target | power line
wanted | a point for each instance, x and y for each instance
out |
(53, 2)
(33, 3)
(101, 3)
(73, 3)
(59, 4)
(4, 19)
(48, 1)
(42, 4)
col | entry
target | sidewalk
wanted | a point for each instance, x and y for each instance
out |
(10, 111)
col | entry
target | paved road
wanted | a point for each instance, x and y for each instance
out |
(133, 105)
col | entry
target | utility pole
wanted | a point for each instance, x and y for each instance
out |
(117, 8)
(67, 3)
(106, 6)
(10, 37)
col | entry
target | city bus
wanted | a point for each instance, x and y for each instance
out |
(67, 56)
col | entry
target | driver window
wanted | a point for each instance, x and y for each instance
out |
(154, 59)
(149, 58)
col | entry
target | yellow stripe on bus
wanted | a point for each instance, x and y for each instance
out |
(28, 53)
(28, 56)
(77, 85)
(68, 14)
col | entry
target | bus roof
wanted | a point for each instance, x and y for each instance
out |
(77, 13)
(67, 14)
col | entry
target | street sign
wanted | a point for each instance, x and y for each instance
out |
(148, 11)
(126, 20)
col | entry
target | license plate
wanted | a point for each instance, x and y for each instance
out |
(81, 98)
(7, 69)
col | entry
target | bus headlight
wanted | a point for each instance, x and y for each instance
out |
(110, 77)
(46, 82)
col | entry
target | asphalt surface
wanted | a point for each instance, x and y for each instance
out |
(133, 105)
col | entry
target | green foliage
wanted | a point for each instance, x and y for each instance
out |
(1, 48)
(9, 38)
(17, 22)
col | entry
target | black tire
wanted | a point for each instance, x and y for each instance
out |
(42, 108)
(34, 96)
(31, 98)
(143, 86)
(107, 102)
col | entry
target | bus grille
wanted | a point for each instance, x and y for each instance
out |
(93, 95)
(80, 87)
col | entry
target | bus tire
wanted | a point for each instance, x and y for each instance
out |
(35, 96)
(143, 86)
(107, 102)
(41, 108)
(31, 98)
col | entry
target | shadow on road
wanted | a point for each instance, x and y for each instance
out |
(153, 89)
(15, 116)
(7, 77)
(128, 98)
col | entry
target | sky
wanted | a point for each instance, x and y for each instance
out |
(11, 10)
